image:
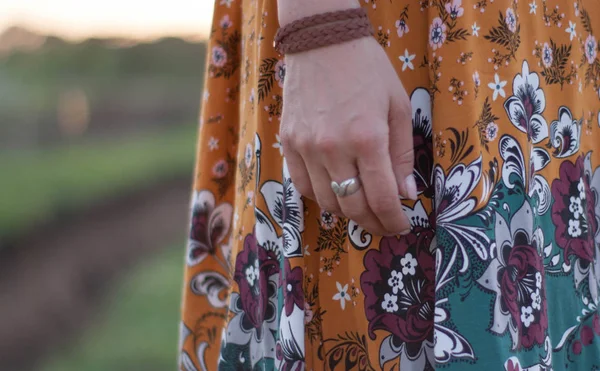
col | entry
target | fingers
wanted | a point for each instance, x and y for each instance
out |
(401, 144)
(298, 172)
(321, 183)
(309, 175)
(353, 206)
(380, 185)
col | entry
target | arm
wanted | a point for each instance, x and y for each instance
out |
(290, 10)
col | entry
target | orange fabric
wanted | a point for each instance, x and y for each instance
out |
(463, 64)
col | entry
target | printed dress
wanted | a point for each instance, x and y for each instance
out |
(501, 269)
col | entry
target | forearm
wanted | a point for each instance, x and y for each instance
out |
(290, 10)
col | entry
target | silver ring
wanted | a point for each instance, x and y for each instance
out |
(346, 188)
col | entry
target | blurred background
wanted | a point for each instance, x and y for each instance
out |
(98, 118)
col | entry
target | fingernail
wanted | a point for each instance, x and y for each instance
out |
(411, 187)
(405, 232)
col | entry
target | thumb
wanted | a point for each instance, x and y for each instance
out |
(401, 144)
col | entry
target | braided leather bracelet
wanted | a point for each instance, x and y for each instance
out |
(322, 30)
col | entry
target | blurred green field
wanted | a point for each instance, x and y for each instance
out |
(41, 184)
(140, 101)
(139, 327)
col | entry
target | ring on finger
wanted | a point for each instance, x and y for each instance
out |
(347, 187)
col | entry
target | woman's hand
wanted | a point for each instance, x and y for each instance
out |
(347, 114)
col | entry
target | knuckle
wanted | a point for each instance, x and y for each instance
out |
(302, 143)
(326, 144)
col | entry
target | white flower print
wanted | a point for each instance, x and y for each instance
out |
(408, 264)
(527, 315)
(219, 56)
(538, 280)
(491, 131)
(205, 95)
(211, 224)
(581, 189)
(574, 229)
(225, 22)
(213, 143)
(401, 27)
(407, 60)
(453, 202)
(395, 282)
(437, 33)
(576, 6)
(476, 79)
(227, 3)
(575, 207)
(590, 48)
(455, 9)
(342, 294)
(277, 144)
(565, 134)
(532, 7)
(514, 164)
(251, 274)
(448, 344)
(390, 303)
(498, 87)
(571, 30)
(475, 29)
(284, 204)
(536, 300)
(511, 20)
(547, 55)
(526, 105)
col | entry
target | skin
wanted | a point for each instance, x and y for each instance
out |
(347, 114)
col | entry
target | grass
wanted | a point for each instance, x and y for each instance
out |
(139, 329)
(37, 185)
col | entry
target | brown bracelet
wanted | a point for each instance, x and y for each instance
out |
(322, 30)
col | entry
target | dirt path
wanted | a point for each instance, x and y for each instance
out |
(52, 279)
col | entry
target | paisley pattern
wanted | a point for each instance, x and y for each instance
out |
(501, 269)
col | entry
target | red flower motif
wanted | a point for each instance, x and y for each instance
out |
(254, 265)
(523, 294)
(573, 211)
(410, 317)
(292, 288)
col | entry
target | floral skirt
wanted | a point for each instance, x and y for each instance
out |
(501, 269)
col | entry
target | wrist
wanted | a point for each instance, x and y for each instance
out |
(291, 10)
